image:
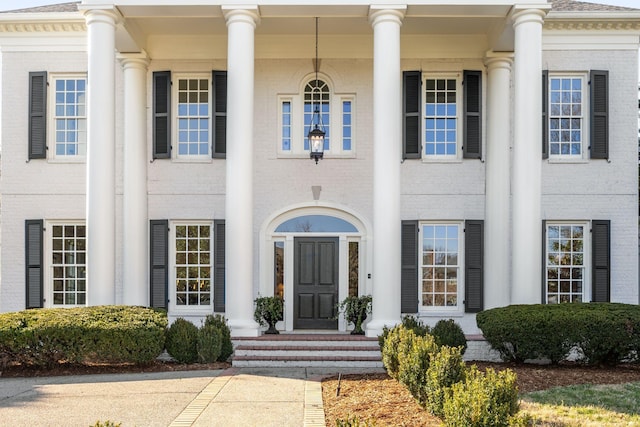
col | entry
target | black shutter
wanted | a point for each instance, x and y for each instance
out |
(411, 112)
(545, 114)
(409, 274)
(474, 263)
(472, 82)
(544, 263)
(601, 265)
(162, 115)
(219, 97)
(38, 115)
(219, 266)
(159, 258)
(599, 114)
(33, 263)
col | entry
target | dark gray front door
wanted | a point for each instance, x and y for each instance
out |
(315, 283)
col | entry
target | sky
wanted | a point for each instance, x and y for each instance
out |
(21, 4)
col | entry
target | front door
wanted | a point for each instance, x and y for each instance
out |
(315, 283)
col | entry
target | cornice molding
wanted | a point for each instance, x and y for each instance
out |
(592, 25)
(40, 27)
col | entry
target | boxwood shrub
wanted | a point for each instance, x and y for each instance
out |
(599, 333)
(112, 334)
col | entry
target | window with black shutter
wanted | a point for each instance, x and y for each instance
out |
(474, 266)
(472, 114)
(599, 114)
(159, 260)
(409, 262)
(38, 115)
(219, 87)
(34, 274)
(162, 115)
(412, 114)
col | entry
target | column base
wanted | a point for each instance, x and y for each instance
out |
(244, 328)
(375, 326)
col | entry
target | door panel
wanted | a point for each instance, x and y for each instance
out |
(315, 282)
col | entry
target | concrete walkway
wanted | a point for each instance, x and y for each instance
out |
(231, 397)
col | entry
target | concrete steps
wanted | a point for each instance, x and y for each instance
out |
(307, 350)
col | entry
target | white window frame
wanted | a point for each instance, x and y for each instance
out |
(299, 131)
(447, 310)
(51, 105)
(188, 309)
(48, 262)
(175, 90)
(584, 143)
(457, 76)
(586, 255)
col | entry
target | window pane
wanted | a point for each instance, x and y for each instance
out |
(278, 269)
(564, 249)
(193, 262)
(439, 265)
(193, 115)
(316, 98)
(440, 115)
(69, 265)
(565, 113)
(69, 114)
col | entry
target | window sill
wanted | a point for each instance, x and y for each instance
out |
(454, 312)
(441, 160)
(205, 160)
(70, 160)
(182, 310)
(326, 156)
(560, 160)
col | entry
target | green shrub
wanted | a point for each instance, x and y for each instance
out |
(413, 365)
(449, 333)
(408, 322)
(602, 333)
(446, 368)
(209, 343)
(113, 334)
(182, 341)
(483, 400)
(219, 322)
(398, 341)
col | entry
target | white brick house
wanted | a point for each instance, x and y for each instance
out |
(478, 154)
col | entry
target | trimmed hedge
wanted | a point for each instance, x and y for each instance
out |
(111, 334)
(182, 341)
(600, 333)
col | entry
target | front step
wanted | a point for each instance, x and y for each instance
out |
(307, 350)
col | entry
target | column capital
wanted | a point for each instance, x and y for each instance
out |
(249, 14)
(105, 15)
(133, 60)
(381, 13)
(529, 14)
(494, 60)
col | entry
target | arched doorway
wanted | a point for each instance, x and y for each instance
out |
(314, 257)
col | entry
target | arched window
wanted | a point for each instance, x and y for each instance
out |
(316, 224)
(317, 99)
(296, 113)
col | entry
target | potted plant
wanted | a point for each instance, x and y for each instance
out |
(268, 312)
(355, 310)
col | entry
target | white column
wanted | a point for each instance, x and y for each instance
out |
(100, 202)
(135, 226)
(527, 155)
(241, 25)
(387, 139)
(497, 167)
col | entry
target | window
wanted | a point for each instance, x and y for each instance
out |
(441, 117)
(193, 117)
(68, 264)
(70, 119)
(566, 262)
(189, 115)
(440, 261)
(566, 116)
(193, 264)
(295, 114)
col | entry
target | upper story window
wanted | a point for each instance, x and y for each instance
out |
(297, 111)
(193, 117)
(441, 117)
(567, 121)
(189, 115)
(70, 116)
(575, 114)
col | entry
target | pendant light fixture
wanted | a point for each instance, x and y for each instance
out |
(316, 129)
